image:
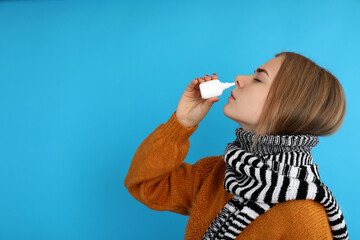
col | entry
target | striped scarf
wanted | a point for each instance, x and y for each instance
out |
(278, 169)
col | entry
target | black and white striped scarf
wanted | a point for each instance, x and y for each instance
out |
(279, 169)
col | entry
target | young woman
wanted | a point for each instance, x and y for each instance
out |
(265, 185)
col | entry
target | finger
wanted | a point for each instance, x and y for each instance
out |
(193, 84)
(214, 76)
(201, 79)
(196, 82)
(207, 77)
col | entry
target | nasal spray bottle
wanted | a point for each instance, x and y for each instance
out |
(213, 88)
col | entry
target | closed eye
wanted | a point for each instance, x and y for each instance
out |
(257, 80)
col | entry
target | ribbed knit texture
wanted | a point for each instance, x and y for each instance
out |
(159, 179)
(278, 169)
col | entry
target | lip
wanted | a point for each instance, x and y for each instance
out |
(232, 95)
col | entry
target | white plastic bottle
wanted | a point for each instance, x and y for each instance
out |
(213, 88)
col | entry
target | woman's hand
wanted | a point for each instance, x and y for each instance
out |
(192, 108)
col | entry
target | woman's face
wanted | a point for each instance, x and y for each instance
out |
(250, 95)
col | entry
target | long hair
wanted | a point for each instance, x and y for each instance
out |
(304, 98)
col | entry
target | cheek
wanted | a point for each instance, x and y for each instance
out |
(249, 106)
(252, 102)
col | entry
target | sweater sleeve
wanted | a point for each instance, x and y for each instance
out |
(157, 176)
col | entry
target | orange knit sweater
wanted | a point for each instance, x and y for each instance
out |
(160, 179)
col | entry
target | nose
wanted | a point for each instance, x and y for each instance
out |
(240, 81)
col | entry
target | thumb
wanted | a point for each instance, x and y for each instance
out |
(211, 101)
(208, 103)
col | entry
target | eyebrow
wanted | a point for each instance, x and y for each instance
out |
(262, 70)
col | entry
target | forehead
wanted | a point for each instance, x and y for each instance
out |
(273, 65)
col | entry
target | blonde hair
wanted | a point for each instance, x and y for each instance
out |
(304, 98)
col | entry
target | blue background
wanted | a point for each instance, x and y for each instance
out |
(83, 83)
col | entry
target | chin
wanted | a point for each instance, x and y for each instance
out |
(228, 112)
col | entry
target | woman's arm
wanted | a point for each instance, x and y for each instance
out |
(158, 177)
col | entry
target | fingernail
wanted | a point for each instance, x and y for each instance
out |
(214, 73)
(215, 100)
